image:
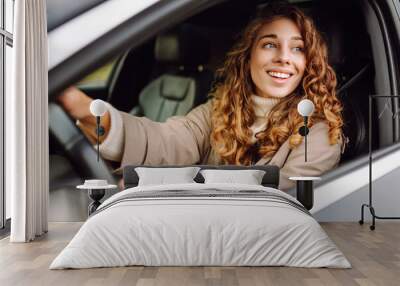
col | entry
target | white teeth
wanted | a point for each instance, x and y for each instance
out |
(279, 74)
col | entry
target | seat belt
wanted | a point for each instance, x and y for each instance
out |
(354, 79)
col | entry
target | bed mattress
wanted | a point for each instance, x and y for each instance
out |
(201, 225)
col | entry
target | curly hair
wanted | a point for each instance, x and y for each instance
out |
(233, 113)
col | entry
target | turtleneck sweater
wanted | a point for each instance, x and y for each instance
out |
(111, 147)
(262, 107)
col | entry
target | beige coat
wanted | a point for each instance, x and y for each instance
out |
(183, 140)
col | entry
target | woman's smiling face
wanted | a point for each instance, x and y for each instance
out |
(277, 60)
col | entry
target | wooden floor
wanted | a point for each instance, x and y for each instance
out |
(374, 255)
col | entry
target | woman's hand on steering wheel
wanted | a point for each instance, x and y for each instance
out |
(76, 103)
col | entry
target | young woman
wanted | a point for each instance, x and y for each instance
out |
(251, 117)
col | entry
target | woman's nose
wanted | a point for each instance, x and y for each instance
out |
(283, 55)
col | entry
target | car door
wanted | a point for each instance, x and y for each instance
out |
(348, 186)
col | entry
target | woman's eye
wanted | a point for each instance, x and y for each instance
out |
(298, 49)
(269, 45)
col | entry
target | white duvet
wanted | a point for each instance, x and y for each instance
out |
(200, 231)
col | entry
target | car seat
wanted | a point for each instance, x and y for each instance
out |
(181, 79)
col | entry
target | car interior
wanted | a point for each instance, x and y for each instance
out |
(173, 72)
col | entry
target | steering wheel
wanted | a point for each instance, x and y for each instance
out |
(77, 147)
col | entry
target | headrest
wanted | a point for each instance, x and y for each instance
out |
(185, 46)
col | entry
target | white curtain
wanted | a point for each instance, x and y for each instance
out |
(27, 150)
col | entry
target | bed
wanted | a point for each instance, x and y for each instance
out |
(201, 224)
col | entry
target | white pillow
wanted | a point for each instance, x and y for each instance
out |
(162, 176)
(248, 177)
